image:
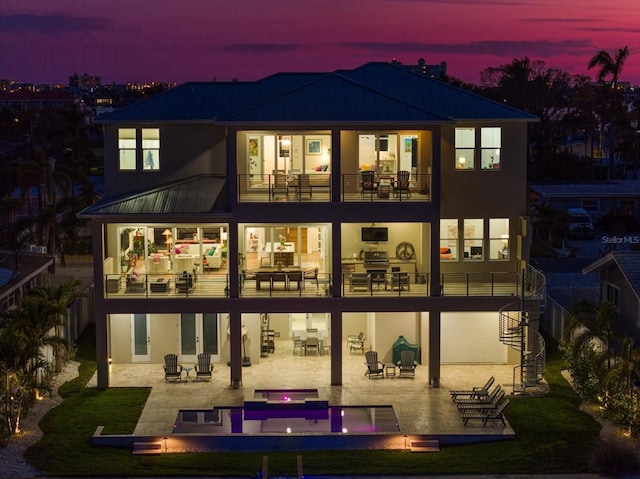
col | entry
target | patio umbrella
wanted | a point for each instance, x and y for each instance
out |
(246, 360)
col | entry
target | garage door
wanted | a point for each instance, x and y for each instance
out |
(471, 337)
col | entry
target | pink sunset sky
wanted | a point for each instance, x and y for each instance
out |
(46, 41)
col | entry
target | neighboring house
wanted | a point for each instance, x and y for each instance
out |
(25, 100)
(619, 273)
(372, 200)
(19, 272)
(618, 197)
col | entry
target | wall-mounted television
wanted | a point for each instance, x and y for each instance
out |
(375, 234)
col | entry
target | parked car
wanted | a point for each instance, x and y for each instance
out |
(580, 224)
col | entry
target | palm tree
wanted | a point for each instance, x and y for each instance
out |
(25, 332)
(58, 298)
(609, 71)
(609, 66)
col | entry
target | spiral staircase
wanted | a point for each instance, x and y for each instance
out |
(519, 329)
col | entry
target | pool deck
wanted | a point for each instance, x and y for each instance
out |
(422, 411)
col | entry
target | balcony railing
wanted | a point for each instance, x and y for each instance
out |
(296, 284)
(385, 188)
(316, 187)
(418, 284)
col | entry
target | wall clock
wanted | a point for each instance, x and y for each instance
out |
(405, 251)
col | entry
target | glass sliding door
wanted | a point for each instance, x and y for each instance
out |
(199, 333)
(140, 338)
(378, 152)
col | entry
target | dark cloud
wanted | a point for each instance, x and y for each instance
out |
(261, 47)
(495, 47)
(55, 23)
(561, 20)
(609, 29)
(504, 3)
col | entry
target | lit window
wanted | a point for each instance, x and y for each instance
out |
(465, 148)
(151, 148)
(490, 144)
(473, 239)
(127, 148)
(498, 238)
(448, 239)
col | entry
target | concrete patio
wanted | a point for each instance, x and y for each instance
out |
(422, 411)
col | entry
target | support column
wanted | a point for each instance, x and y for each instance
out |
(336, 348)
(100, 317)
(434, 348)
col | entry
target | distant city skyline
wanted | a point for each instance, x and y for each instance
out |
(199, 40)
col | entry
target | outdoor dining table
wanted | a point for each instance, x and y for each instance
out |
(274, 275)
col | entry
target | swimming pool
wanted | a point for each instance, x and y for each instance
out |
(287, 411)
(283, 420)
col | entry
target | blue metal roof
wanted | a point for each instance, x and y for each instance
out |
(375, 92)
(627, 261)
(430, 95)
(196, 195)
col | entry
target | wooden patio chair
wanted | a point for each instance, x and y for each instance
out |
(172, 370)
(203, 367)
(368, 183)
(356, 343)
(407, 365)
(374, 367)
(401, 184)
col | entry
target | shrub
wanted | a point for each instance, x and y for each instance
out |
(614, 456)
(586, 366)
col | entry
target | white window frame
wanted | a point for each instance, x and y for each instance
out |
(449, 239)
(491, 148)
(127, 149)
(151, 149)
(499, 244)
(465, 143)
(472, 239)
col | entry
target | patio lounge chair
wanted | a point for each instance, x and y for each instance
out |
(374, 367)
(356, 343)
(172, 370)
(486, 415)
(407, 365)
(489, 402)
(203, 368)
(475, 392)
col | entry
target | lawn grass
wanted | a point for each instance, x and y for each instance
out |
(553, 436)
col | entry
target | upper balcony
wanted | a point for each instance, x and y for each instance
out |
(361, 187)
